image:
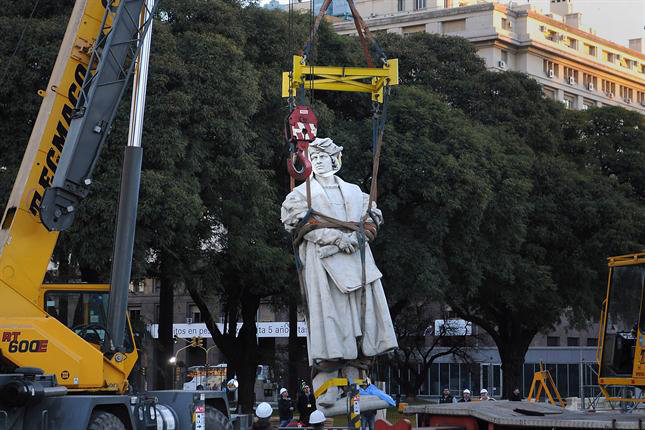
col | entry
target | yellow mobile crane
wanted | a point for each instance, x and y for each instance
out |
(67, 350)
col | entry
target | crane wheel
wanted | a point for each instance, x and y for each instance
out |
(101, 420)
(216, 420)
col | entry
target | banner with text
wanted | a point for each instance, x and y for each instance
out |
(264, 329)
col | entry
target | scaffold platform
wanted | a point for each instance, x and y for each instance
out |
(504, 414)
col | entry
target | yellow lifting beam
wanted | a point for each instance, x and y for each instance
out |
(337, 382)
(333, 78)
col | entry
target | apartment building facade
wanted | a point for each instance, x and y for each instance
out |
(572, 64)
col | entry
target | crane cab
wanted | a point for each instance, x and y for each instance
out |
(83, 308)
(621, 346)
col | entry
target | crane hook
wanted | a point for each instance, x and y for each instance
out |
(300, 131)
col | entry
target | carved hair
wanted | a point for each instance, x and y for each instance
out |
(328, 146)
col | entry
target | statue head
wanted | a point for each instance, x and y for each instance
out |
(325, 156)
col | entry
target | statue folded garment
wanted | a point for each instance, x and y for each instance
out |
(347, 314)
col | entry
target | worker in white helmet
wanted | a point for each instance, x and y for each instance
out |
(465, 396)
(483, 395)
(317, 420)
(285, 407)
(263, 412)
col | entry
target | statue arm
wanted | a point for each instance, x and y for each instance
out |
(294, 209)
(376, 212)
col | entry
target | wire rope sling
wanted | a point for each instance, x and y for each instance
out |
(301, 123)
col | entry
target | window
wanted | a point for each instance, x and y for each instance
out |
(588, 104)
(553, 36)
(552, 341)
(400, 6)
(135, 314)
(194, 314)
(590, 50)
(589, 81)
(609, 57)
(572, 43)
(549, 93)
(643, 69)
(569, 100)
(85, 312)
(640, 97)
(551, 69)
(608, 87)
(419, 4)
(453, 26)
(626, 93)
(414, 29)
(570, 75)
(592, 341)
(573, 341)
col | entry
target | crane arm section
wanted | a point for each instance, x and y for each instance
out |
(111, 65)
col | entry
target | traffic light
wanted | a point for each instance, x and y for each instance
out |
(198, 342)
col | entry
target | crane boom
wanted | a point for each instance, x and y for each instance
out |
(112, 63)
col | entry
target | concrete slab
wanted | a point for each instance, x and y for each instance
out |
(537, 415)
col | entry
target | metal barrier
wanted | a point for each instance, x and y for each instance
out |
(591, 401)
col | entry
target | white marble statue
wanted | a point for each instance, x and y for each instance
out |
(347, 323)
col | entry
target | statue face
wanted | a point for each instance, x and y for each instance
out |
(320, 162)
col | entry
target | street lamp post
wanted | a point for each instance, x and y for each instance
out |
(195, 342)
(173, 361)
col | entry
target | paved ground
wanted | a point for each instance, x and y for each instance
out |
(525, 414)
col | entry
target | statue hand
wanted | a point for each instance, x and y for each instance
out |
(348, 243)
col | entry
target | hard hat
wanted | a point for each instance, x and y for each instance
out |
(466, 391)
(283, 390)
(483, 391)
(316, 417)
(264, 410)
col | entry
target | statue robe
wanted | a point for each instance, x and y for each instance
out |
(345, 320)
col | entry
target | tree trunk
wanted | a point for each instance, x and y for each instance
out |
(294, 356)
(165, 372)
(512, 351)
(422, 376)
(246, 353)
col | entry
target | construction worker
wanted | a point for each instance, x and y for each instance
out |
(306, 405)
(515, 395)
(285, 407)
(263, 412)
(317, 420)
(465, 396)
(483, 395)
(446, 397)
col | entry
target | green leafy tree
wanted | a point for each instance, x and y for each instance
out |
(485, 205)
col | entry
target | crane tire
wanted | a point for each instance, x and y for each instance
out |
(102, 420)
(216, 420)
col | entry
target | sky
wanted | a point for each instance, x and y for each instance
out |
(616, 20)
